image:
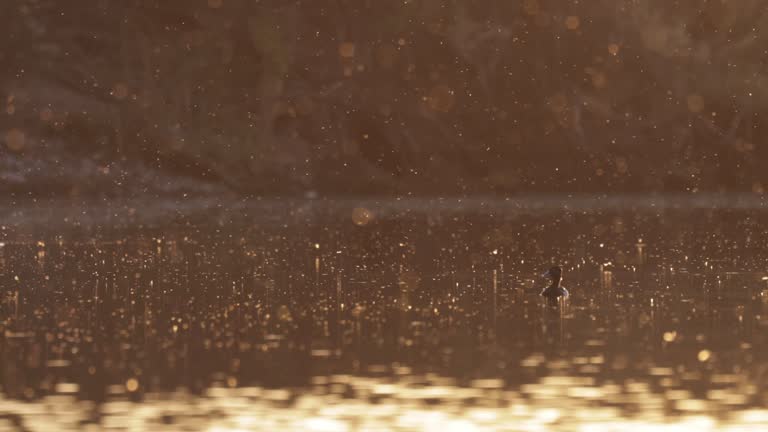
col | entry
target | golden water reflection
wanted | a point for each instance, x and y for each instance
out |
(400, 403)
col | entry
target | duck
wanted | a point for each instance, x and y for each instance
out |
(554, 291)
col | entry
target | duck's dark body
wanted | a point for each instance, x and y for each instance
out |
(554, 292)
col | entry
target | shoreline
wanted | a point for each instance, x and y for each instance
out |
(156, 212)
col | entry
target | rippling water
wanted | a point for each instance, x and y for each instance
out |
(355, 321)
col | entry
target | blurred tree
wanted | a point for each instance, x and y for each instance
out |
(423, 96)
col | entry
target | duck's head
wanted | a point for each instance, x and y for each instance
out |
(554, 273)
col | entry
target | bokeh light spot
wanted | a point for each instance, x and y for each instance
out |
(572, 22)
(599, 80)
(120, 91)
(704, 355)
(347, 50)
(361, 216)
(46, 114)
(15, 140)
(695, 103)
(132, 384)
(386, 56)
(441, 98)
(531, 7)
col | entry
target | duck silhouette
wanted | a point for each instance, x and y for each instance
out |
(554, 291)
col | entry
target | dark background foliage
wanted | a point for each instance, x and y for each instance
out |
(364, 97)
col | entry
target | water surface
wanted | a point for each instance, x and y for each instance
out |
(354, 319)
